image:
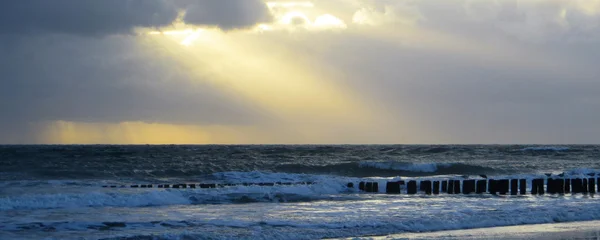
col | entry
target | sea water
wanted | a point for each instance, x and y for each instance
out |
(56, 192)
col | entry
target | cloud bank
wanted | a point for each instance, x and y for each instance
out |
(106, 17)
(457, 71)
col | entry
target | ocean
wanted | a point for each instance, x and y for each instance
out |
(62, 191)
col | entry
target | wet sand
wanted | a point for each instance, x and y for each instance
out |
(588, 230)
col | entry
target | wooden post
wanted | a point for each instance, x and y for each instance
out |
(503, 186)
(426, 186)
(492, 186)
(369, 187)
(392, 188)
(411, 187)
(514, 186)
(436, 187)
(450, 186)
(481, 186)
(468, 186)
(523, 186)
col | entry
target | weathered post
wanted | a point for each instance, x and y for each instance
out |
(523, 186)
(551, 187)
(514, 186)
(436, 187)
(369, 187)
(492, 186)
(576, 185)
(411, 187)
(444, 186)
(426, 187)
(468, 186)
(481, 186)
(392, 188)
(450, 186)
(456, 186)
(560, 185)
(503, 186)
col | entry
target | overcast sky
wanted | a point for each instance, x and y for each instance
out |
(323, 71)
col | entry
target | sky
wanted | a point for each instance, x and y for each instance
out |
(300, 72)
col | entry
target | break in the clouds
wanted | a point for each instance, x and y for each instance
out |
(105, 17)
(340, 71)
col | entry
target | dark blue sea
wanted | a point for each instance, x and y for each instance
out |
(56, 192)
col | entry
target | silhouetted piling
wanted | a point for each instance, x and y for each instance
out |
(537, 186)
(361, 186)
(411, 187)
(514, 186)
(567, 185)
(492, 186)
(456, 186)
(392, 187)
(369, 187)
(209, 185)
(560, 186)
(481, 186)
(576, 185)
(375, 188)
(592, 185)
(450, 187)
(436, 187)
(584, 187)
(522, 186)
(426, 187)
(468, 186)
(503, 186)
(444, 186)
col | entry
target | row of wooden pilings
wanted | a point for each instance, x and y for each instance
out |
(205, 185)
(492, 186)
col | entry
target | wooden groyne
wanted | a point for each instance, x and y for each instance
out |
(501, 186)
(205, 185)
(539, 186)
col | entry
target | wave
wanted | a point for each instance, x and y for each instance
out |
(389, 169)
(324, 220)
(409, 167)
(545, 149)
(136, 197)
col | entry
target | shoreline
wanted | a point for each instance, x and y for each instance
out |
(582, 230)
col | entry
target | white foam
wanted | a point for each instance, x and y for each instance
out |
(368, 216)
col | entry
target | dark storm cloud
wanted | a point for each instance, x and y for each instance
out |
(105, 17)
(228, 14)
(85, 17)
